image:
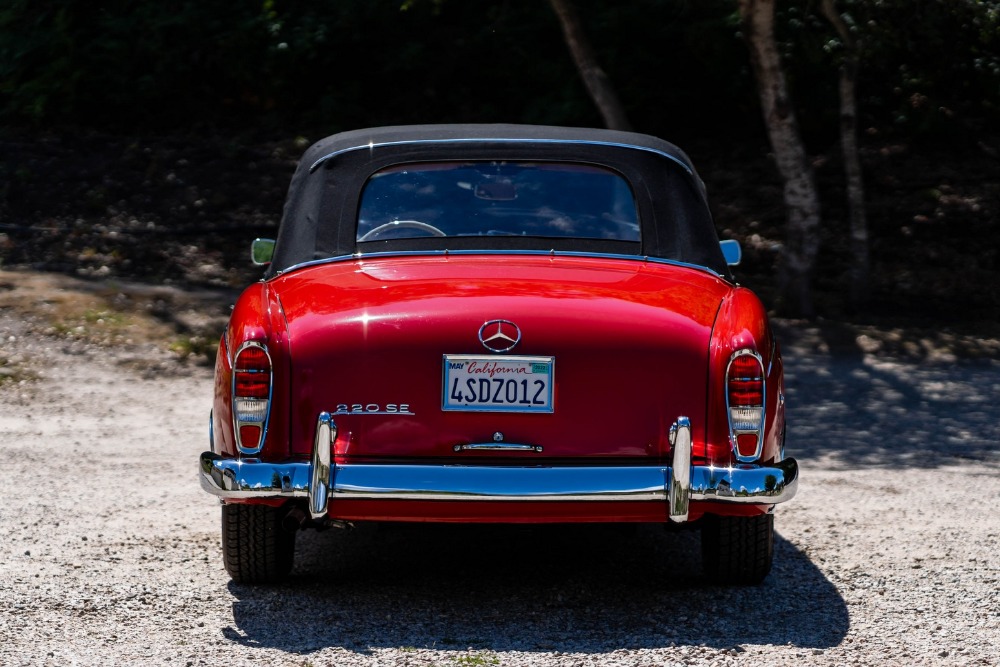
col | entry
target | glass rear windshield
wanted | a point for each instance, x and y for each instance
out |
(468, 199)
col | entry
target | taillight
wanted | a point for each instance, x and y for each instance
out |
(253, 373)
(745, 399)
(251, 395)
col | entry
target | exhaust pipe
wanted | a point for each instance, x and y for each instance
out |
(294, 520)
(299, 519)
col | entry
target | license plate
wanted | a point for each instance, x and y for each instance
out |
(497, 384)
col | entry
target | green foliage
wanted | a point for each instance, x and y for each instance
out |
(121, 63)
(928, 66)
(14, 371)
(476, 660)
(937, 62)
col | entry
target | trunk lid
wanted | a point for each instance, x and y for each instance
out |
(368, 341)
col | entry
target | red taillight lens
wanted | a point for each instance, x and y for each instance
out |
(746, 444)
(746, 382)
(253, 373)
(250, 436)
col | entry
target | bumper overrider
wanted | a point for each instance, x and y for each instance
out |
(322, 482)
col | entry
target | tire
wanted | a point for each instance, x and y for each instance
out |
(256, 549)
(736, 549)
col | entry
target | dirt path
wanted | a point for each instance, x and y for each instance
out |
(110, 550)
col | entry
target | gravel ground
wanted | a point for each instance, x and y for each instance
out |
(110, 551)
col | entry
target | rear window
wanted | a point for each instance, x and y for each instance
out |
(468, 199)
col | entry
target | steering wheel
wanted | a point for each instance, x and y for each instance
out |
(401, 224)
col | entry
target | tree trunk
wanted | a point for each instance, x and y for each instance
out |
(801, 199)
(861, 263)
(597, 82)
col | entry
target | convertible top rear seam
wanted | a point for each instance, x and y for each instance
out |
(500, 140)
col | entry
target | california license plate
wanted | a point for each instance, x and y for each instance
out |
(497, 384)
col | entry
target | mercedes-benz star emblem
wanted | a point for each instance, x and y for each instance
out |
(499, 335)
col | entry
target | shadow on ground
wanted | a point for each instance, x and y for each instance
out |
(509, 588)
(856, 409)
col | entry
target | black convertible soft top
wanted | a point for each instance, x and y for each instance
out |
(321, 210)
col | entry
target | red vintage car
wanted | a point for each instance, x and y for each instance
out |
(497, 324)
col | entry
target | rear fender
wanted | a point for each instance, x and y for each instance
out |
(742, 323)
(256, 316)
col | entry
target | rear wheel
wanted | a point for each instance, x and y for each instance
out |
(256, 549)
(737, 549)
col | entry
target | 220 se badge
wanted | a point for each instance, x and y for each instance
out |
(451, 266)
(372, 409)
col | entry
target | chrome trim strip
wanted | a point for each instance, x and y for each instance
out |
(740, 484)
(543, 253)
(321, 473)
(680, 471)
(225, 343)
(502, 140)
(484, 483)
(211, 430)
(746, 484)
(497, 447)
(230, 478)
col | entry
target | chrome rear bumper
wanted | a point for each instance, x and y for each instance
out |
(322, 482)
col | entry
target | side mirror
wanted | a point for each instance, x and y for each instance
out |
(732, 251)
(261, 251)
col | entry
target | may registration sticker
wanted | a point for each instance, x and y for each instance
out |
(497, 384)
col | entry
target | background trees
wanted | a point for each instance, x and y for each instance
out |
(931, 66)
(928, 98)
(799, 192)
